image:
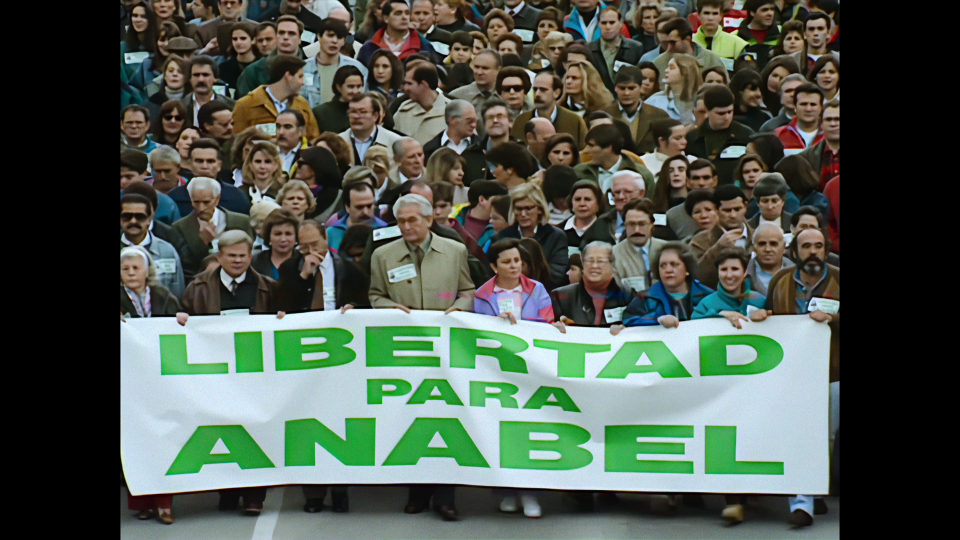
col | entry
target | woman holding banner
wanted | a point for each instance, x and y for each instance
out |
(505, 295)
(142, 296)
(733, 298)
(676, 294)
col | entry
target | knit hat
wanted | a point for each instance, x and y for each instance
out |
(134, 160)
(770, 184)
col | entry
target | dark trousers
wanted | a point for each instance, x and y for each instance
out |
(319, 491)
(148, 502)
(250, 495)
(442, 494)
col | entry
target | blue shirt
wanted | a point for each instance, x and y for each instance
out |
(803, 293)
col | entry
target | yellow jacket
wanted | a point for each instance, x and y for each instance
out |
(725, 45)
(256, 108)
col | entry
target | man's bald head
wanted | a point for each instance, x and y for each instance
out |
(422, 190)
(341, 14)
(769, 245)
(540, 129)
(767, 230)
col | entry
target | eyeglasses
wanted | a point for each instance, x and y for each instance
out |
(595, 262)
(173, 117)
(525, 209)
(130, 216)
(513, 88)
(358, 112)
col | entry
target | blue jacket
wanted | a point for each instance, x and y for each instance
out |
(712, 305)
(231, 199)
(573, 27)
(537, 305)
(650, 305)
(817, 200)
(335, 232)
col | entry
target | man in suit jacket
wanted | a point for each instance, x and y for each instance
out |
(364, 133)
(207, 221)
(631, 268)
(631, 109)
(613, 50)
(547, 88)
(524, 15)
(731, 230)
(422, 271)
(204, 74)
(208, 30)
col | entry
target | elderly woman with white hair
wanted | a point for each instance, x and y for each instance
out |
(258, 214)
(296, 197)
(142, 296)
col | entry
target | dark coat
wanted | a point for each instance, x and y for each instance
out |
(709, 144)
(296, 295)
(332, 116)
(785, 217)
(162, 302)
(189, 228)
(167, 232)
(527, 18)
(231, 198)
(476, 167)
(574, 302)
(309, 19)
(202, 296)
(554, 244)
(642, 131)
(603, 229)
(264, 266)
(439, 35)
(630, 52)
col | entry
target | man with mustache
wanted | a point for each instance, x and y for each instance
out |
(812, 287)
(203, 75)
(633, 254)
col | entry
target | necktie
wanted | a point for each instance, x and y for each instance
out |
(233, 286)
(419, 256)
(513, 13)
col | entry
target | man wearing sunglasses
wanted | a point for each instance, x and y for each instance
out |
(136, 217)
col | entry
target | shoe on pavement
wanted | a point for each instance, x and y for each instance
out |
(664, 505)
(819, 507)
(313, 506)
(799, 518)
(733, 514)
(531, 508)
(508, 505)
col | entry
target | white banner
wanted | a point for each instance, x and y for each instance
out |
(385, 397)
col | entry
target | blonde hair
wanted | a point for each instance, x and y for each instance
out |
(441, 163)
(554, 38)
(259, 212)
(690, 72)
(377, 156)
(535, 194)
(294, 185)
(595, 94)
(269, 149)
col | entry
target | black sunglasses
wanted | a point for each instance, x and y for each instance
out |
(514, 88)
(130, 216)
(173, 117)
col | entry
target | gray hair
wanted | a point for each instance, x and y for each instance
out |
(765, 227)
(426, 209)
(132, 252)
(491, 102)
(635, 176)
(398, 144)
(164, 154)
(600, 245)
(790, 78)
(259, 212)
(234, 237)
(455, 109)
(203, 183)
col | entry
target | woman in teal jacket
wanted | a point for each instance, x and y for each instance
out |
(733, 296)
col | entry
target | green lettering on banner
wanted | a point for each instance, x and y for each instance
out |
(376, 392)
(464, 349)
(571, 357)
(516, 445)
(480, 393)
(357, 448)
(621, 448)
(173, 359)
(424, 393)
(720, 455)
(381, 346)
(290, 350)
(713, 355)
(662, 361)
(541, 398)
(415, 444)
(248, 347)
(244, 451)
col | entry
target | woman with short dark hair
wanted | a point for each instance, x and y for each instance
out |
(241, 52)
(676, 293)
(280, 237)
(332, 115)
(747, 99)
(587, 201)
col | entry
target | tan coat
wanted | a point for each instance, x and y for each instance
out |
(422, 125)
(442, 282)
(567, 122)
(202, 296)
(257, 108)
(705, 248)
(630, 264)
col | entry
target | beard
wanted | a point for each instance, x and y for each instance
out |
(812, 265)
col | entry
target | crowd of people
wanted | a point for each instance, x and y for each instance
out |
(572, 162)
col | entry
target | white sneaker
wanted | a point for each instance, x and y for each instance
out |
(531, 508)
(508, 505)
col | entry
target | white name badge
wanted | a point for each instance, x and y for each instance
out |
(308, 36)
(235, 312)
(525, 35)
(329, 294)
(637, 283)
(733, 152)
(269, 129)
(787, 238)
(618, 64)
(572, 250)
(751, 310)
(792, 151)
(441, 48)
(660, 219)
(215, 245)
(402, 273)
(506, 306)
(544, 62)
(166, 266)
(308, 79)
(727, 63)
(613, 315)
(731, 22)
(386, 233)
(135, 57)
(825, 305)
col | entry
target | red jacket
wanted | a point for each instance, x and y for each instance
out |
(790, 136)
(832, 191)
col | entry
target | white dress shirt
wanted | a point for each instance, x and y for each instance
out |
(328, 271)
(228, 281)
